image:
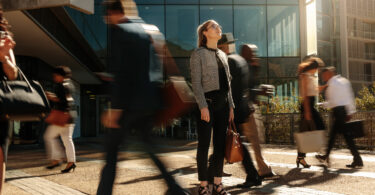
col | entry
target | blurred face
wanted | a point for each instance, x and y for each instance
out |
(58, 78)
(213, 31)
(113, 17)
(326, 76)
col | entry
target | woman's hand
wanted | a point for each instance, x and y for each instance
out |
(231, 114)
(6, 45)
(205, 114)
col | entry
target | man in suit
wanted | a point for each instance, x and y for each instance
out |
(240, 82)
(340, 98)
(135, 89)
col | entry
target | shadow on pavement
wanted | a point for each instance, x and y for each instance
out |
(30, 176)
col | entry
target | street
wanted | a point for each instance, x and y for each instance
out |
(26, 173)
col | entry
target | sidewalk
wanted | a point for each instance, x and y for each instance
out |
(137, 175)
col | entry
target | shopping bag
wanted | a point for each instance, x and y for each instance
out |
(310, 141)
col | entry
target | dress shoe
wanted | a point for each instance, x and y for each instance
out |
(249, 184)
(355, 164)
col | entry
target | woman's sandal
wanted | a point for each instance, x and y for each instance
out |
(203, 190)
(222, 190)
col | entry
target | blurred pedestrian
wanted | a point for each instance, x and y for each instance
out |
(8, 71)
(62, 105)
(134, 92)
(211, 86)
(340, 98)
(248, 52)
(309, 91)
(240, 83)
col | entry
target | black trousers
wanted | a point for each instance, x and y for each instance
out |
(142, 123)
(219, 116)
(339, 117)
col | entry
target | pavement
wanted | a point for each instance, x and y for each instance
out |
(26, 173)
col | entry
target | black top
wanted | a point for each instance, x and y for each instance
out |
(64, 93)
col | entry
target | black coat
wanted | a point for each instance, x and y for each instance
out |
(239, 70)
(129, 60)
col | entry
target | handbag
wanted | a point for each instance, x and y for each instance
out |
(354, 129)
(233, 145)
(311, 140)
(22, 100)
(58, 117)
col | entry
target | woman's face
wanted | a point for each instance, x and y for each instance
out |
(213, 31)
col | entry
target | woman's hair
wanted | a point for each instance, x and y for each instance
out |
(202, 39)
(63, 71)
(310, 64)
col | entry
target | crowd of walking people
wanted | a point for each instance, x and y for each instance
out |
(223, 84)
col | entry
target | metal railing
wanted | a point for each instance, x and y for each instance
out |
(279, 128)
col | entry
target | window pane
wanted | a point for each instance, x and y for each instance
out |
(149, 1)
(153, 14)
(282, 1)
(215, 2)
(250, 27)
(181, 29)
(283, 31)
(283, 67)
(182, 1)
(324, 28)
(249, 1)
(220, 13)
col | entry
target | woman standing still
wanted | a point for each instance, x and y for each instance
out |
(211, 86)
(62, 101)
(9, 71)
(309, 90)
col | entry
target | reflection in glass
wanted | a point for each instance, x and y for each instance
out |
(250, 27)
(249, 2)
(181, 29)
(153, 14)
(283, 67)
(149, 1)
(282, 1)
(223, 14)
(215, 2)
(182, 1)
(283, 31)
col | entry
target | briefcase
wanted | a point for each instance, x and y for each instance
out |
(354, 129)
(310, 141)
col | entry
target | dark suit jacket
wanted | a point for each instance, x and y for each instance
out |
(240, 83)
(129, 61)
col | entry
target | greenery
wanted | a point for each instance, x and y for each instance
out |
(366, 98)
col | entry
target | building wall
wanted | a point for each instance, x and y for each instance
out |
(361, 41)
(273, 25)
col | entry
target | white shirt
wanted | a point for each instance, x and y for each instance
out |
(339, 93)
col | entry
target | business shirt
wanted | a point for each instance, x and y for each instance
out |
(339, 93)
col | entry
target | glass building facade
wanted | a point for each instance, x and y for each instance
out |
(272, 25)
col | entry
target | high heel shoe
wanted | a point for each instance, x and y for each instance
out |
(302, 162)
(67, 169)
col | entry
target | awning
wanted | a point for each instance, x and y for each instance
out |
(33, 40)
(85, 6)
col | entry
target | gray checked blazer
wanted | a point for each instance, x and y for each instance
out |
(205, 74)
